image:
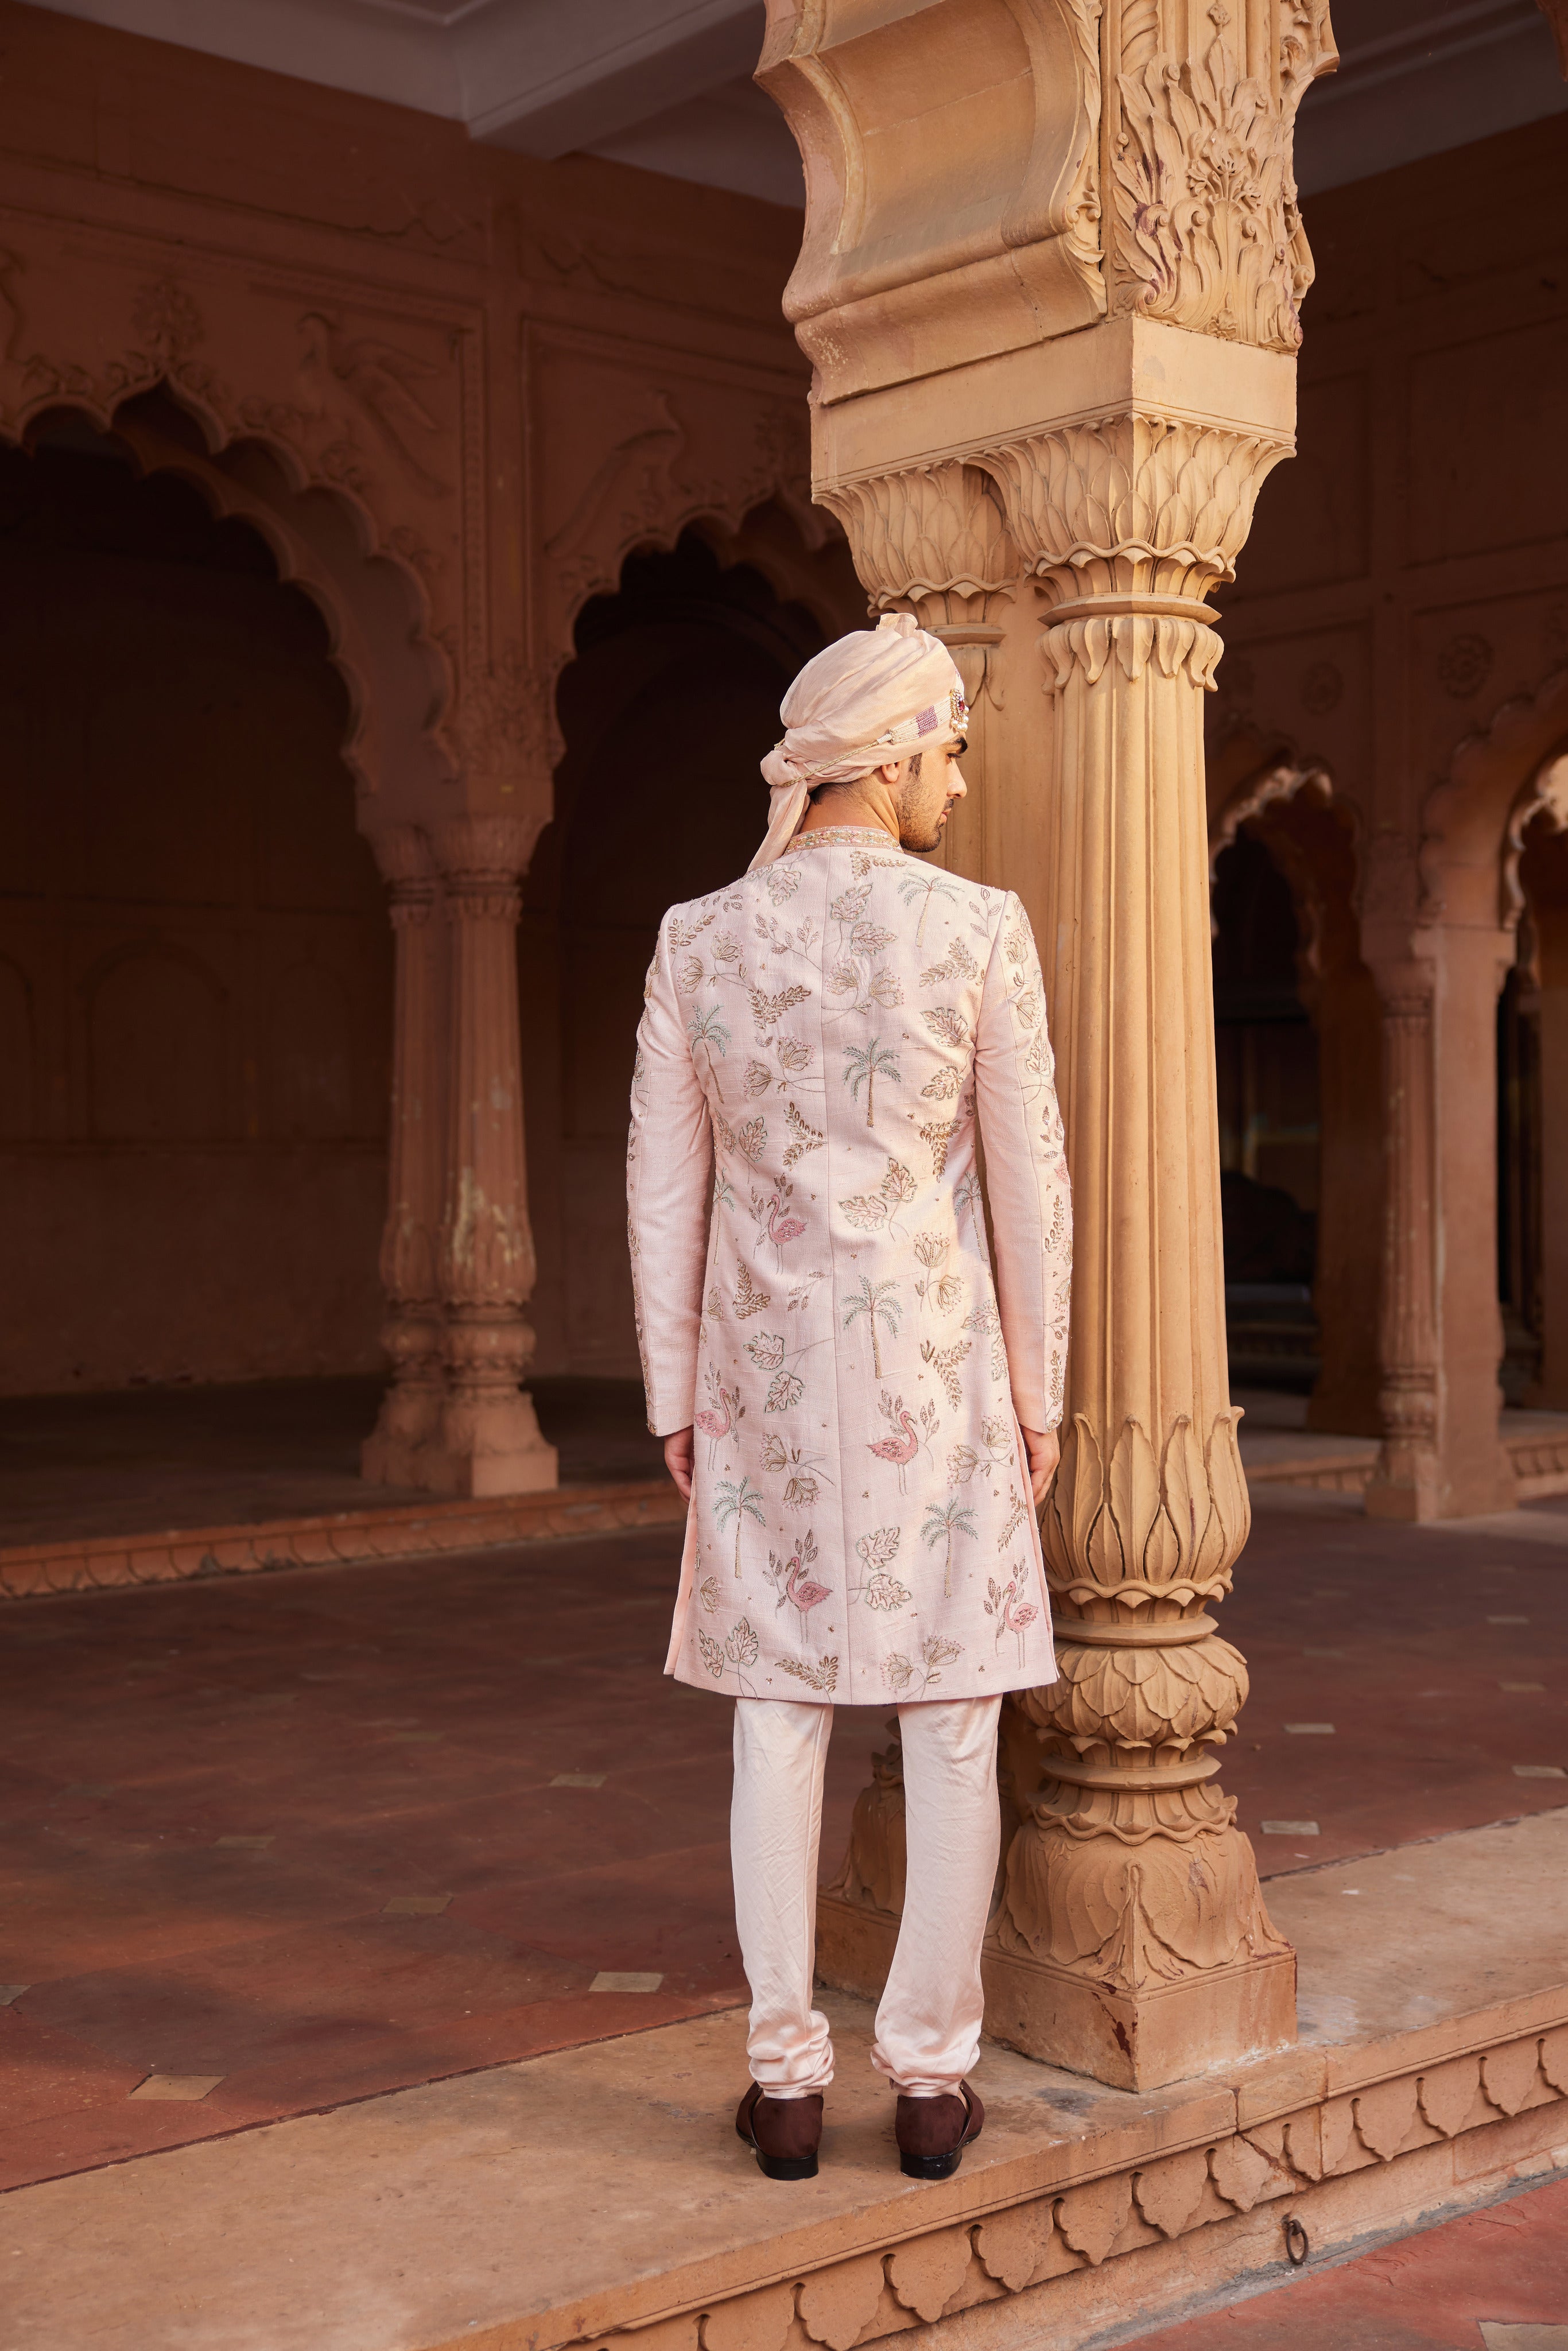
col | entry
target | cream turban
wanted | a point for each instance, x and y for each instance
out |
(873, 696)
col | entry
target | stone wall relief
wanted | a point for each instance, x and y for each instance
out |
(292, 387)
(634, 454)
(1465, 847)
(1208, 232)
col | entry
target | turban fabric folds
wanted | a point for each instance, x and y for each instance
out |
(875, 695)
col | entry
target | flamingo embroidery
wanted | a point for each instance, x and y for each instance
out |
(796, 1586)
(1006, 1603)
(717, 1422)
(783, 1224)
(908, 1435)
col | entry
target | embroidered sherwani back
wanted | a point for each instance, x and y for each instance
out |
(813, 1285)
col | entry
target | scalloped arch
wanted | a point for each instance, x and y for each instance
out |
(324, 542)
(1468, 815)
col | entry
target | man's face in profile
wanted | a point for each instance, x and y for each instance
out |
(929, 786)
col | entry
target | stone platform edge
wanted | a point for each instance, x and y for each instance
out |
(1086, 2243)
(342, 1539)
(1540, 1468)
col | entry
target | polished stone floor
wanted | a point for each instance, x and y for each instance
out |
(140, 1460)
(304, 1837)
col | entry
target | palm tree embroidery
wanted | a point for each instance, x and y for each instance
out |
(738, 1502)
(878, 1301)
(862, 1066)
(912, 886)
(942, 1521)
(707, 1029)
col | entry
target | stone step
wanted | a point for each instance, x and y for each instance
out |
(342, 1538)
(597, 2197)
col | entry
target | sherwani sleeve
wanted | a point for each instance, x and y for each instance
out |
(669, 1157)
(1025, 1171)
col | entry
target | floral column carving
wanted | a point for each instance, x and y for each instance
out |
(413, 1333)
(489, 1441)
(1132, 1923)
(1053, 364)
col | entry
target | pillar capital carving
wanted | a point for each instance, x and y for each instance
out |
(481, 859)
(1094, 160)
(404, 859)
(1207, 229)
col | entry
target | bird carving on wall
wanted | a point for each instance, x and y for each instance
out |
(380, 380)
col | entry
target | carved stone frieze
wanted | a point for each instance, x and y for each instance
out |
(1162, 2196)
(1207, 229)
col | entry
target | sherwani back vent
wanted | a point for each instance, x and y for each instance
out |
(825, 1044)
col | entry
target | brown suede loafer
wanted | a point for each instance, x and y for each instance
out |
(933, 2133)
(785, 2132)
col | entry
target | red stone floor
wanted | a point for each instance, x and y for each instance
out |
(326, 1833)
(1501, 2267)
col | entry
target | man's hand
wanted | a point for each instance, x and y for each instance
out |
(678, 1454)
(1044, 1453)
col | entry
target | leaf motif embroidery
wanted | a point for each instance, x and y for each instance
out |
(867, 938)
(945, 1362)
(768, 1010)
(708, 1594)
(866, 1212)
(751, 1139)
(822, 1676)
(881, 1546)
(710, 1653)
(749, 1298)
(683, 934)
(741, 1646)
(885, 988)
(956, 964)
(782, 882)
(806, 1136)
(939, 1137)
(757, 1080)
(849, 905)
(942, 1087)
(898, 1184)
(785, 1392)
(767, 1351)
(948, 1025)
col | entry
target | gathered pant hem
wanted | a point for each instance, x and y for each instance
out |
(928, 2035)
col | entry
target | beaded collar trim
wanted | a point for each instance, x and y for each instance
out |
(844, 836)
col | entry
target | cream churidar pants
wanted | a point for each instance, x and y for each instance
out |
(928, 2024)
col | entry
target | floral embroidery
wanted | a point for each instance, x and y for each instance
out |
(857, 1481)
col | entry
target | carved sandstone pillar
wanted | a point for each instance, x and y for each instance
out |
(1076, 307)
(488, 1441)
(413, 1333)
(1441, 1329)
(1131, 1941)
(1404, 1485)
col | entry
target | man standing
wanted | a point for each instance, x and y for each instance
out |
(859, 1413)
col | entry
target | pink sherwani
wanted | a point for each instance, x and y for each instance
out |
(813, 1285)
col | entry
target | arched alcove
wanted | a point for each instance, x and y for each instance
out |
(666, 709)
(1298, 1038)
(1266, 1059)
(1532, 1115)
(193, 1182)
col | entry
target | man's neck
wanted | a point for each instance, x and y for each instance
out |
(864, 803)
